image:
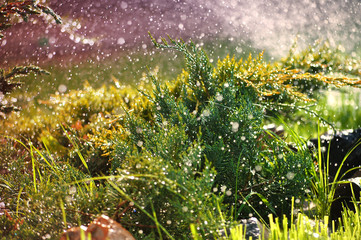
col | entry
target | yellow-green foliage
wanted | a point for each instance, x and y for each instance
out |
(320, 57)
(79, 111)
(275, 81)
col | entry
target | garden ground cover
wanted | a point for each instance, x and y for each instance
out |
(188, 156)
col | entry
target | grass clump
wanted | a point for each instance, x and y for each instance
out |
(37, 188)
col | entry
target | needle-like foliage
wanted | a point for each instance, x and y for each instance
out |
(9, 10)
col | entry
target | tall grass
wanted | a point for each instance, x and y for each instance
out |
(303, 227)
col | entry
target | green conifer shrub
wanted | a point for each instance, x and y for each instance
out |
(221, 109)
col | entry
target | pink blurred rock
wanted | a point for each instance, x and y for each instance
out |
(102, 228)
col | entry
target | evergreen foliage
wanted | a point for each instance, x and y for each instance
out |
(8, 11)
(180, 153)
(320, 58)
(7, 84)
(222, 109)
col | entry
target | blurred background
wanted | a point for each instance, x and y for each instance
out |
(105, 38)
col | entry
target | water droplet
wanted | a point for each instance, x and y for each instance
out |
(72, 190)
(206, 113)
(121, 41)
(62, 88)
(235, 126)
(140, 143)
(219, 97)
(139, 130)
(124, 5)
(258, 168)
(316, 235)
(290, 175)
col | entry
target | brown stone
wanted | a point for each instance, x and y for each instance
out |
(102, 228)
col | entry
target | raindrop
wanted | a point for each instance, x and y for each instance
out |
(72, 190)
(124, 5)
(140, 143)
(206, 113)
(62, 88)
(290, 175)
(121, 41)
(47, 236)
(219, 97)
(69, 199)
(235, 126)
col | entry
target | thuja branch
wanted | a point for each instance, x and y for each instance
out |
(23, 9)
(6, 86)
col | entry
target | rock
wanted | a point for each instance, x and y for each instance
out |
(336, 146)
(102, 228)
(344, 194)
(73, 233)
(254, 229)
